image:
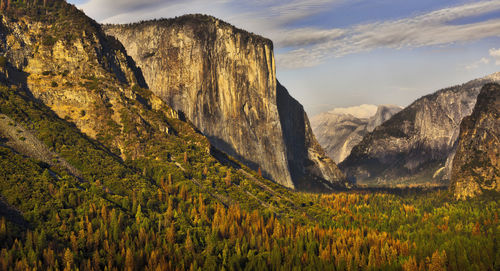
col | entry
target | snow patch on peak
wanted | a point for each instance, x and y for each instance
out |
(361, 111)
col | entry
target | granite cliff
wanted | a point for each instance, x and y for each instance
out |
(223, 79)
(339, 130)
(415, 146)
(63, 59)
(72, 98)
(476, 166)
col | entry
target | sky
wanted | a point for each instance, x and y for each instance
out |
(338, 53)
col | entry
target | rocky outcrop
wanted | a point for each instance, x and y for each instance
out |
(413, 147)
(476, 166)
(384, 112)
(224, 80)
(66, 61)
(339, 130)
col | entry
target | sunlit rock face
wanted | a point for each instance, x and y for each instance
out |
(339, 130)
(476, 166)
(416, 145)
(224, 80)
(76, 77)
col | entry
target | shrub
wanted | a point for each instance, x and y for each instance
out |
(3, 62)
(49, 40)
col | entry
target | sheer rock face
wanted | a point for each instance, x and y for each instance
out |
(338, 133)
(476, 166)
(416, 145)
(384, 112)
(224, 80)
(305, 156)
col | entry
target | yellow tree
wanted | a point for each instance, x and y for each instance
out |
(189, 243)
(228, 178)
(410, 264)
(438, 261)
(68, 259)
(171, 234)
(129, 260)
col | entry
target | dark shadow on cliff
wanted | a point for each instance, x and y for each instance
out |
(293, 124)
(292, 120)
(18, 79)
(131, 63)
(223, 158)
(228, 158)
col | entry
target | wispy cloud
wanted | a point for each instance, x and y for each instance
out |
(478, 63)
(433, 28)
(495, 53)
(270, 13)
(310, 45)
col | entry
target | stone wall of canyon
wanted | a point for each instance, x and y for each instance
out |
(224, 80)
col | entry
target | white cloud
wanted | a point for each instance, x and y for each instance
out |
(306, 36)
(102, 9)
(495, 53)
(433, 28)
(268, 13)
(476, 64)
(310, 46)
(268, 18)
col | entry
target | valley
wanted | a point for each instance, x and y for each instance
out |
(170, 144)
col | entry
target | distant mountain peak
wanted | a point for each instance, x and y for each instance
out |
(417, 145)
(340, 129)
(360, 111)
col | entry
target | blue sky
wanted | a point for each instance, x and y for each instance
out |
(335, 53)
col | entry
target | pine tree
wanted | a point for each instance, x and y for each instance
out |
(438, 261)
(189, 243)
(68, 259)
(171, 234)
(410, 264)
(227, 179)
(129, 260)
(3, 228)
(138, 214)
(73, 241)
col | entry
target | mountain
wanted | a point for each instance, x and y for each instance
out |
(97, 173)
(384, 112)
(223, 79)
(73, 115)
(93, 165)
(73, 100)
(415, 146)
(476, 165)
(340, 129)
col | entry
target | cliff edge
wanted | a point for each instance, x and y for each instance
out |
(224, 80)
